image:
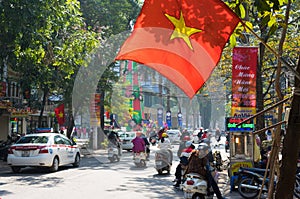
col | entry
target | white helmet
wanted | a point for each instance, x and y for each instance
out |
(203, 149)
(188, 144)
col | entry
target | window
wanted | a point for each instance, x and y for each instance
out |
(33, 139)
(58, 140)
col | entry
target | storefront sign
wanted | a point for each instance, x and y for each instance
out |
(231, 125)
(244, 65)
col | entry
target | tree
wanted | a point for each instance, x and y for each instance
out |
(47, 43)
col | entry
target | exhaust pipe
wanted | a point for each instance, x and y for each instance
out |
(252, 187)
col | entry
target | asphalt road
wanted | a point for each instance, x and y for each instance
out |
(98, 178)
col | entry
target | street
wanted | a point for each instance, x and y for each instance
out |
(97, 178)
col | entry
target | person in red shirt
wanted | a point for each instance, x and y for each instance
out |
(205, 134)
(184, 159)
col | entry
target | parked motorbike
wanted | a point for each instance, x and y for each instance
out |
(139, 159)
(5, 145)
(297, 186)
(162, 162)
(218, 160)
(113, 153)
(250, 182)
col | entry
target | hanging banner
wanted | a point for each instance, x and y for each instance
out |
(179, 116)
(244, 65)
(160, 117)
(169, 119)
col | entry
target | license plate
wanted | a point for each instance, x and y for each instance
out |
(110, 155)
(25, 153)
(158, 163)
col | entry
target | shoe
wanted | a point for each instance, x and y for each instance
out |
(176, 186)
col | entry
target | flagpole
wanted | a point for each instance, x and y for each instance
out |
(273, 51)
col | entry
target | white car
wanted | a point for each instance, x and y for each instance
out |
(174, 135)
(126, 138)
(43, 150)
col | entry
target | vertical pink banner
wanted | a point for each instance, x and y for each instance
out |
(244, 65)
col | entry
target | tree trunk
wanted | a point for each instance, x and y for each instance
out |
(71, 125)
(260, 121)
(291, 147)
(46, 90)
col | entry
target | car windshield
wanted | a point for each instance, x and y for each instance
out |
(33, 139)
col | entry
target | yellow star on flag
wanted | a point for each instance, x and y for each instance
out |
(181, 30)
(60, 115)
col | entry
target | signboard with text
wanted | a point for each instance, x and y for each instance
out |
(244, 65)
(231, 125)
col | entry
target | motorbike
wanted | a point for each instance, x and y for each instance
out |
(297, 186)
(139, 159)
(250, 182)
(218, 160)
(5, 145)
(195, 187)
(153, 139)
(162, 162)
(113, 153)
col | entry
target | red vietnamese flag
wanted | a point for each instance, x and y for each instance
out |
(182, 40)
(60, 114)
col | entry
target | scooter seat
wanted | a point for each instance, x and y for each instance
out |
(255, 170)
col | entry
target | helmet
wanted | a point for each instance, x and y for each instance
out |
(164, 135)
(188, 143)
(186, 138)
(201, 128)
(206, 141)
(203, 149)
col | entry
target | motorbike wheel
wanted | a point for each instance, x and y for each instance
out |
(16, 169)
(160, 171)
(297, 188)
(198, 196)
(246, 192)
(143, 163)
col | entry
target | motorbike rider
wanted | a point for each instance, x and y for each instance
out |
(210, 155)
(165, 145)
(205, 134)
(183, 162)
(184, 134)
(147, 145)
(138, 143)
(161, 131)
(182, 145)
(199, 163)
(114, 139)
(200, 133)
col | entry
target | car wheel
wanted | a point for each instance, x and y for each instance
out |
(55, 165)
(16, 169)
(77, 161)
